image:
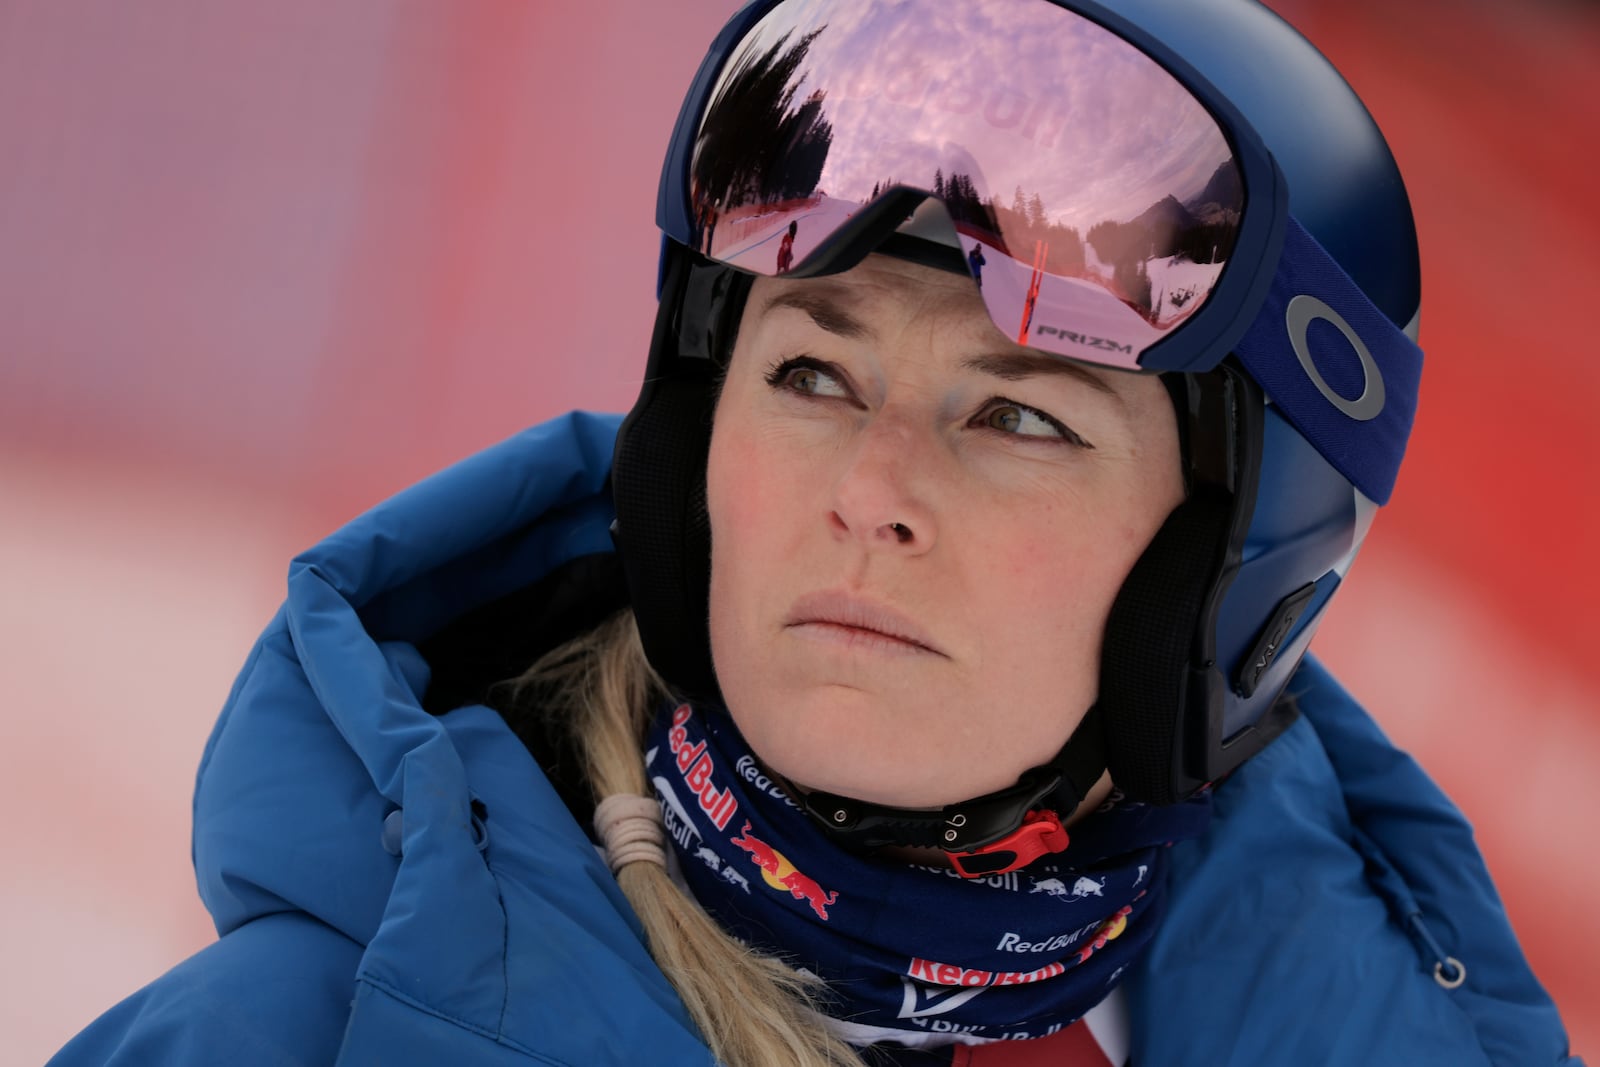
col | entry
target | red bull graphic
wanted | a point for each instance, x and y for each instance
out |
(780, 874)
(697, 767)
(1109, 930)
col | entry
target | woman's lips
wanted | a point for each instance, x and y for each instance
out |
(842, 617)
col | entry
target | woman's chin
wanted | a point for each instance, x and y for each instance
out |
(865, 746)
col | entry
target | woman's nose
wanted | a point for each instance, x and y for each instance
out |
(881, 494)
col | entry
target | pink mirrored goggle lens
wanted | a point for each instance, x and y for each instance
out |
(1094, 199)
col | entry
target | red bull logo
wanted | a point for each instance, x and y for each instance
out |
(697, 767)
(1109, 930)
(780, 874)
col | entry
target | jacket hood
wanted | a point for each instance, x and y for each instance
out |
(326, 788)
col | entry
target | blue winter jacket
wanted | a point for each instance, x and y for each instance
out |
(395, 887)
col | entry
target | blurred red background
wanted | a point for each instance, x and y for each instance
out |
(262, 265)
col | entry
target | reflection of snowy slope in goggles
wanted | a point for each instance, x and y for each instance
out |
(1094, 198)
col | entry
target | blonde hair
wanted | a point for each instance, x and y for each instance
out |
(595, 694)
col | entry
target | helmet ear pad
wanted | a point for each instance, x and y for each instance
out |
(663, 531)
(1148, 677)
(658, 476)
(1164, 696)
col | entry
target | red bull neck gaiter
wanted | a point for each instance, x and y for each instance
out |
(911, 954)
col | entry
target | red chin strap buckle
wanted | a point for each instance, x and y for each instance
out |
(1041, 831)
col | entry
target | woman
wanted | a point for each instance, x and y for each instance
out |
(945, 699)
(786, 249)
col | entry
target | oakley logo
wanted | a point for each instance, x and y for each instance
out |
(1302, 312)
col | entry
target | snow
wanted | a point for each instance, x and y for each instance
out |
(1178, 287)
(752, 241)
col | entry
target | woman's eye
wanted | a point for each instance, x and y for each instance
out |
(805, 380)
(807, 377)
(1023, 421)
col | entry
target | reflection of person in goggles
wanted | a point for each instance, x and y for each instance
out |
(786, 248)
(918, 712)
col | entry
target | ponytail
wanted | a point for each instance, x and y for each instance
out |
(596, 695)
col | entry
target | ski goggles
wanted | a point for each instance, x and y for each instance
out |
(1111, 205)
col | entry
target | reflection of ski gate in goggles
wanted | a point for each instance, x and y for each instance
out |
(1112, 206)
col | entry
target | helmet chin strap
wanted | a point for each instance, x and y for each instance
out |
(991, 834)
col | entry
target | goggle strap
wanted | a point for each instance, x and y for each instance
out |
(1362, 436)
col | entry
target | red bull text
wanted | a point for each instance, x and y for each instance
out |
(949, 974)
(697, 767)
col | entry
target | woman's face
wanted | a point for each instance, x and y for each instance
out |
(918, 528)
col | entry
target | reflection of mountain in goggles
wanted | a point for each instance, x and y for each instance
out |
(1111, 205)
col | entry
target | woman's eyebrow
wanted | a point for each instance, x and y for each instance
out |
(1017, 366)
(826, 308)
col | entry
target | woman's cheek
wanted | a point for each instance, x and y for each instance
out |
(737, 495)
